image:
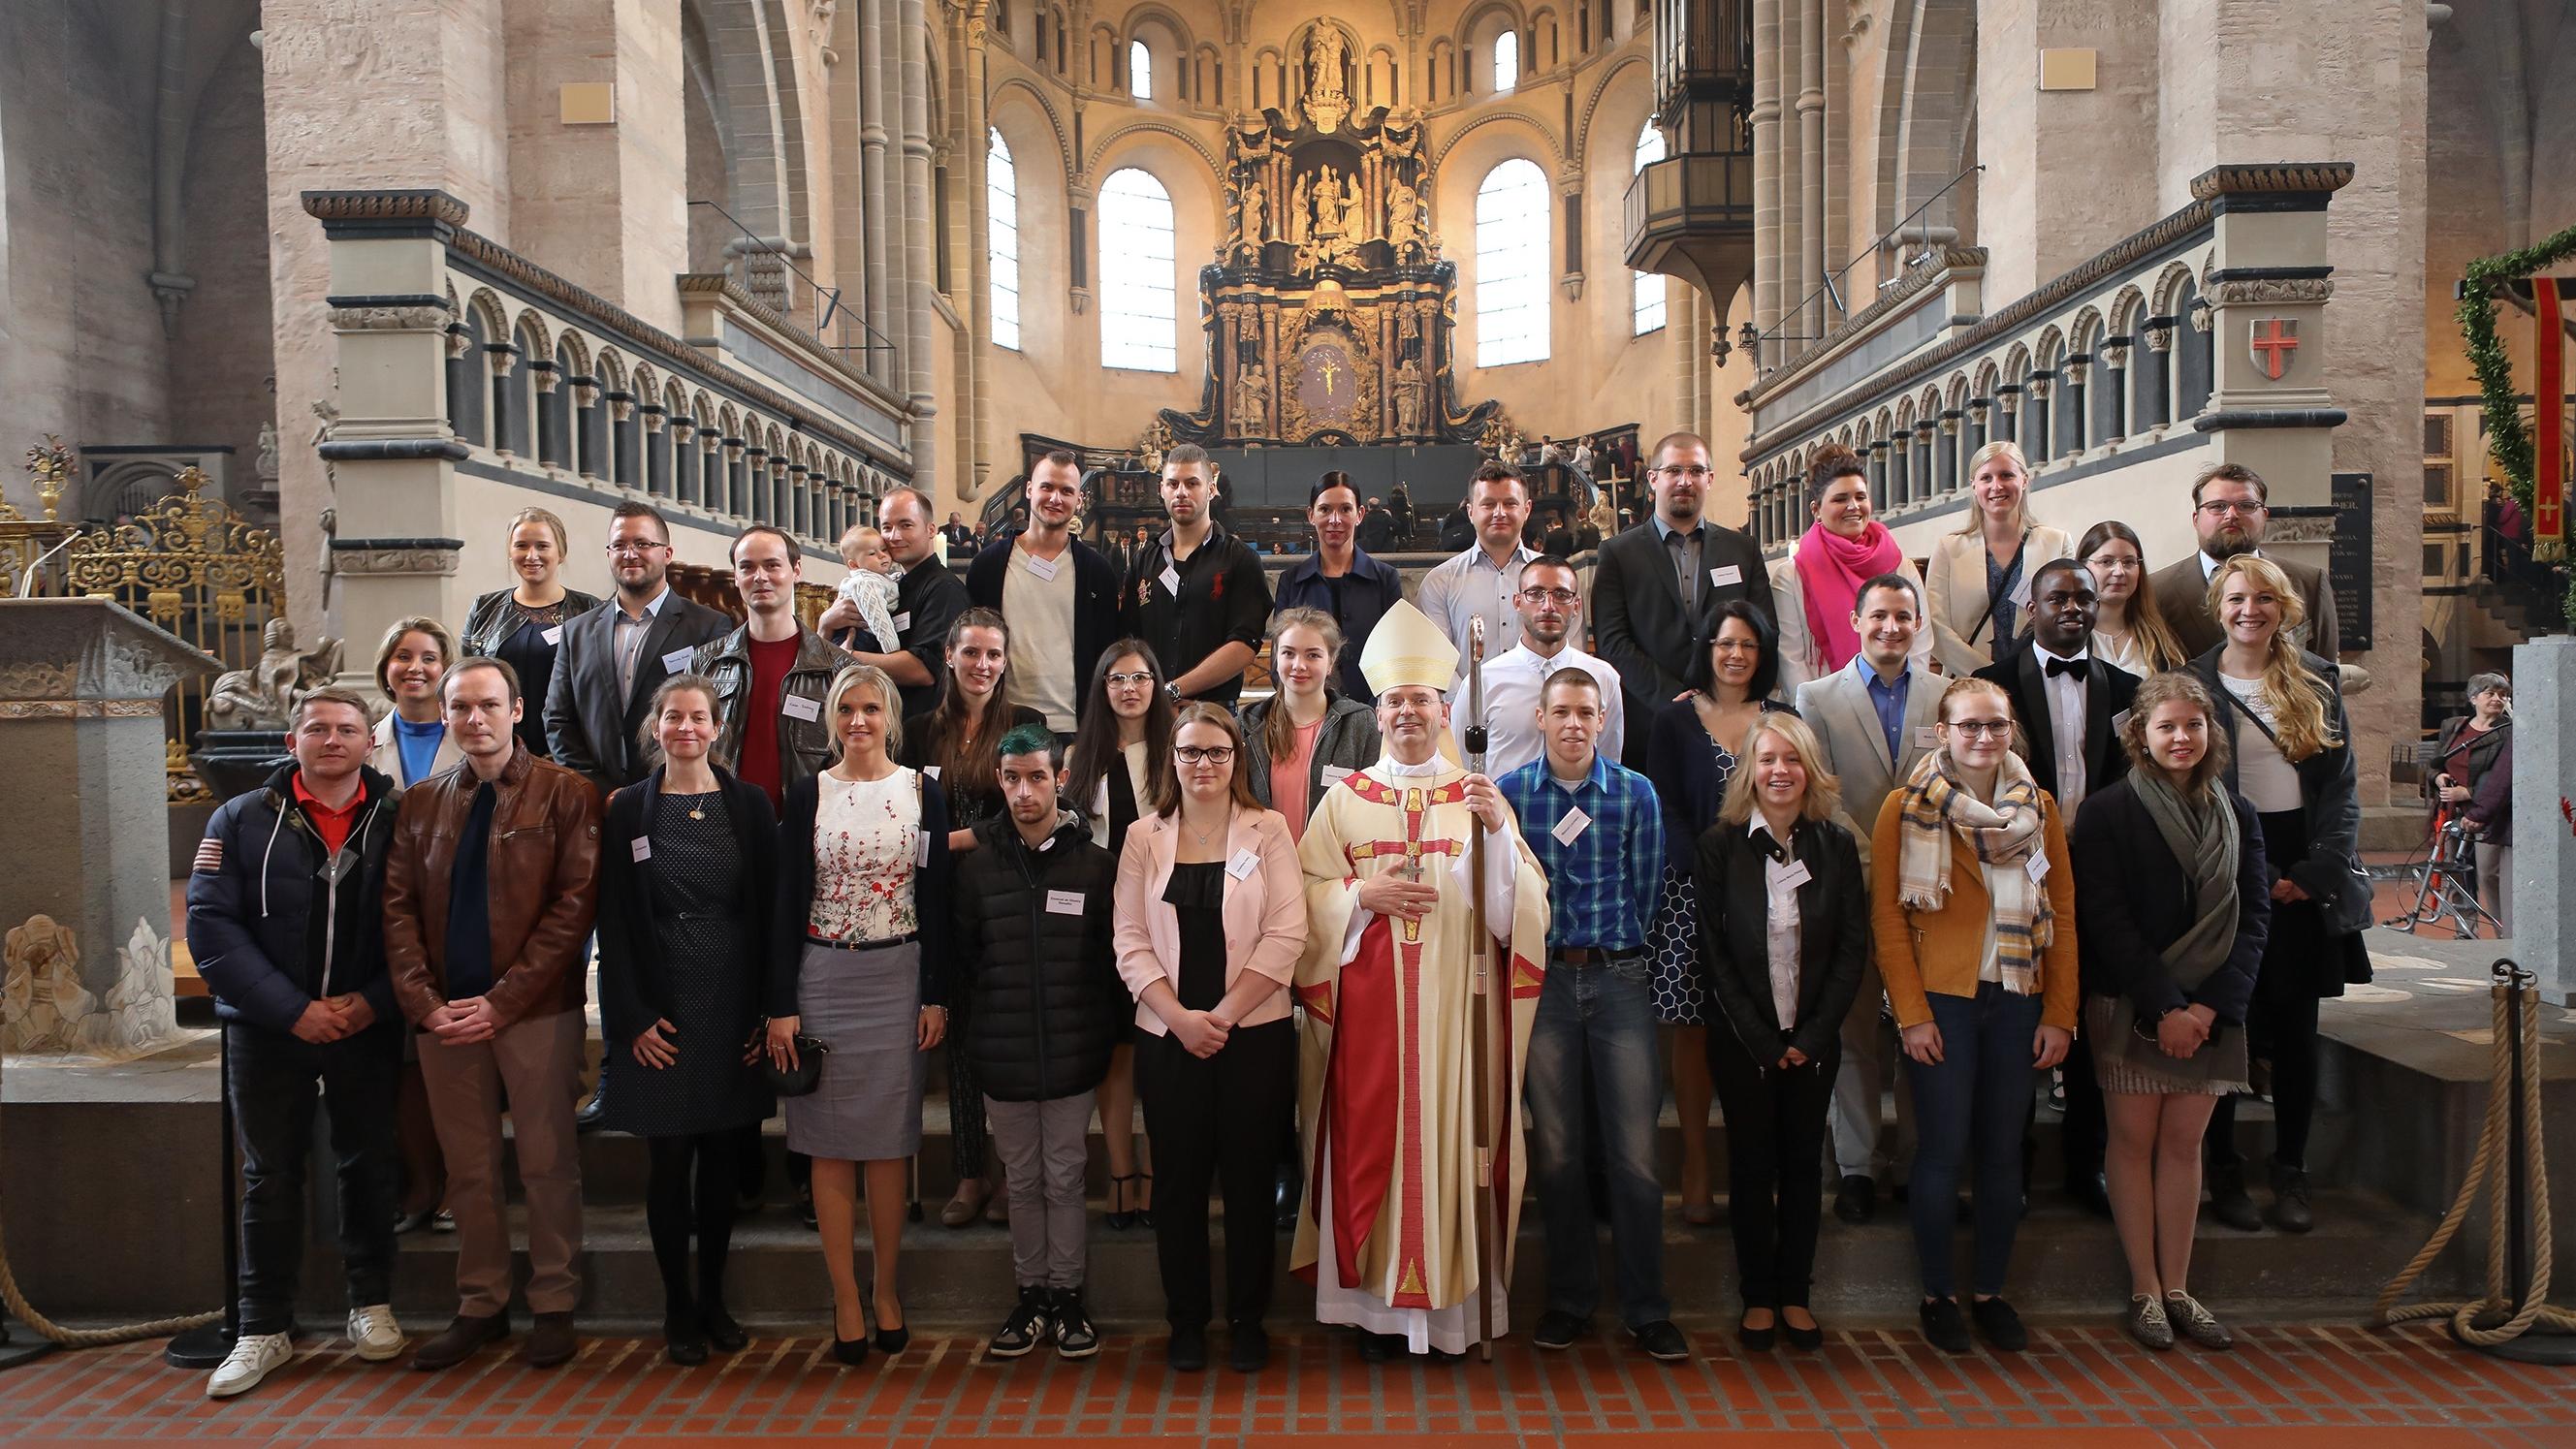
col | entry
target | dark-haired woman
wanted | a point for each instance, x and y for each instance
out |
(2172, 896)
(1122, 746)
(954, 742)
(687, 859)
(1815, 591)
(1690, 756)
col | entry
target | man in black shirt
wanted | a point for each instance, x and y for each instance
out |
(1198, 594)
(928, 600)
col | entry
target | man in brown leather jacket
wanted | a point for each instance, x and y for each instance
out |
(489, 893)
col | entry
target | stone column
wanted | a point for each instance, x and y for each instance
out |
(1765, 116)
(2543, 887)
(911, 28)
(2156, 408)
(881, 234)
(1811, 164)
(979, 262)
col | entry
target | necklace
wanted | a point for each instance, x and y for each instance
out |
(1202, 836)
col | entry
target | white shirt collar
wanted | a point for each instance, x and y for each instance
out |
(1402, 771)
(2209, 566)
(2078, 657)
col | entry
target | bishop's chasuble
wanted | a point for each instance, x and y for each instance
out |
(1387, 1229)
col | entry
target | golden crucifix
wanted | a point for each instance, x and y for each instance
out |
(1330, 372)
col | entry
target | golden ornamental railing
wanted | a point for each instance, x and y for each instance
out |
(191, 565)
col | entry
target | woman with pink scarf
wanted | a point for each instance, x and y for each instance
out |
(1817, 587)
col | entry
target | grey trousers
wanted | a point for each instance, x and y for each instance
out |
(1045, 1149)
(1870, 1058)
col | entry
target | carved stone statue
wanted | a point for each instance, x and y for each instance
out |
(264, 696)
(1409, 397)
(1404, 218)
(1297, 210)
(1256, 218)
(1252, 402)
(1325, 48)
(44, 999)
(1355, 220)
(267, 465)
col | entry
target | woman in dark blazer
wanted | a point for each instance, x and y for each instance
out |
(2172, 904)
(524, 623)
(684, 925)
(1784, 936)
(2290, 756)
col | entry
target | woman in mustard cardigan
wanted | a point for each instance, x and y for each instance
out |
(1973, 915)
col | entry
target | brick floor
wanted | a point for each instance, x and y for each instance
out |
(2284, 1388)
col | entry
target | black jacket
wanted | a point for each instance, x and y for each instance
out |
(1640, 626)
(269, 935)
(1734, 944)
(1097, 584)
(2133, 899)
(2108, 689)
(795, 876)
(632, 974)
(1046, 1004)
(497, 615)
(589, 729)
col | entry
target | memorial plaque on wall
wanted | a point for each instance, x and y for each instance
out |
(2348, 561)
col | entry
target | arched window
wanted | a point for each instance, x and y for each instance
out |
(1139, 322)
(1512, 214)
(1650, 285)
(1002, 199)
(1507, 60)
(1140, 71)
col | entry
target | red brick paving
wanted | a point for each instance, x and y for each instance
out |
(2284, 1388)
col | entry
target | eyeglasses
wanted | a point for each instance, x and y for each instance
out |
(644, 547)
(2224, 507)
(1204, 754)
(1141, 676)
(1983, 729)
(1550, 596)
(1692, 473)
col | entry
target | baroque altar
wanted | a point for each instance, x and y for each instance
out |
(1329, 307)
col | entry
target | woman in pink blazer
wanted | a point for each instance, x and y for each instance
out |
(1211, 915)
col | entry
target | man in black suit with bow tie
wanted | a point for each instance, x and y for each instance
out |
(2070, 706)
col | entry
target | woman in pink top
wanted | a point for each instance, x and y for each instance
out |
(1211, 914)
(1307, 735)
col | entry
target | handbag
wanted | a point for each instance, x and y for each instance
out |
(801, 1079)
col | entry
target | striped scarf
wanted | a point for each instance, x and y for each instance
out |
(2004, 835)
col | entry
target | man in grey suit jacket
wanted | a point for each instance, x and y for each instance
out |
(612, 658)
(2229, 509)
(1657, 587)
(1875, 720)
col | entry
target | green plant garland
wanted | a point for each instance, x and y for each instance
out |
(2508, 436)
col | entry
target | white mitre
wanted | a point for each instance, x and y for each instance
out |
(1405, 647)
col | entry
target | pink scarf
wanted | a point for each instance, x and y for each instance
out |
(1831, 569)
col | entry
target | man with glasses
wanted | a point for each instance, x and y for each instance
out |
(1199, 597)
(1657, 588)
(1549, 607)
(614, 657)
(772, 673)
(2229, 509)
(1482, 578)
(1060, 594)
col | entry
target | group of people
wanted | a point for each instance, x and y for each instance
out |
(1412, 924)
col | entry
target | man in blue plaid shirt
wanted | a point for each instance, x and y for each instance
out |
(1599, 835)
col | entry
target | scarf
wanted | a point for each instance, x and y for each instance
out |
(2005, 835)
(1831, 569)
(2202, 835)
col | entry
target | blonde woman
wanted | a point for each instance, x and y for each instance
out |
(2129, 629)
(524, 623)
(1979, 579)
(411, 740)
(2291, 758)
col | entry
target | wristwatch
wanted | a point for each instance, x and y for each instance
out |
(1172, 692)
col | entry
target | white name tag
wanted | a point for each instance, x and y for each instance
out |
(677, 661)
(931, 770)
(2120, 722)
(1570, 825)
(1785, 878)
(2020, 594)
(1043, 568)
(797, 706)
(1171, 581)
(1064, 903)
(1726, 576)
(553, 635)
(1927, 737)
(1243, 865)
(643, 849)
(901, 621)
(921, 847)
(2037, 865)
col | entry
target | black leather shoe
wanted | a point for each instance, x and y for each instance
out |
(726, 1335)
(1250, 1351)
(1558, 1329)
(850, 1352)
(2228, 1200)
(1805, 1339)
(1186, 1352)
(1998, 1325)
(2092, 1192)
(2291, 1212)
(1944, 1327)
(1661, 1341)
(1379, 1347)
(591, 1114)
(1857, 1202)
(1756, 1340)
(684, 1339)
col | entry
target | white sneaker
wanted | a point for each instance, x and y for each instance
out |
(253, 1355)
(374, 1333)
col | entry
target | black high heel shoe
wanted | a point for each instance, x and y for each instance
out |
(1121, 1217)
(726, 1335)
(1805, 1339)
(891, 1341)
(850, 1352)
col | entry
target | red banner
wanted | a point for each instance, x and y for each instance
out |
(2548, 423)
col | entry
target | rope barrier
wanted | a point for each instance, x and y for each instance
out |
(2516, 1039)
(88, 1337)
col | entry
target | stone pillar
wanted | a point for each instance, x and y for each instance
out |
(911, 29)
(85, 881)
(1765, 116)
(880, 232)
(2543, 887)
(1813, 320)
(2155, 376)
(978, 404)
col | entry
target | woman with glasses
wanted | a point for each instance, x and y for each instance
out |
(1123, 744)
(2472, 777)
(1211, 916)
(1816, 590)
(1308, 733)
(523, 624)
(1690, 757)
(2290, 749)
(2129, 629)
(1973, 922)
(1978, 585)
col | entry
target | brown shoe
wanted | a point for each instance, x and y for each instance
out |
(550, 1342)
(462, 1337)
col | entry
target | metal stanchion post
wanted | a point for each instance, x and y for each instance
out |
(209, 1346)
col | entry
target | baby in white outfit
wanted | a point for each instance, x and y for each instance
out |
(871, 582)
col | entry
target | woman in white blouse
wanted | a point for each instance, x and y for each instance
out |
(1978, 583)
(2129, 628)
(864, 871)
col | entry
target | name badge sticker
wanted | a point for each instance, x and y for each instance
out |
(797, 706)
(1043, 568)
(553, 635)
(643, 849)
(2120, 722)
(677, 661)
(1571, 825)
(1725, 576)
(2037, 865)
(902, 621)
(1064, 903)
(1784, 878)
(2020, 595)
(1170, 580)
(1243, 865)
(921, 848)
(1927, 737)
(931, 770)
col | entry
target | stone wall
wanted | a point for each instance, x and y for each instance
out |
(221, 363)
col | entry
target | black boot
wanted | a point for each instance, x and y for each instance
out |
(2228, 1200)
(2290, 1212)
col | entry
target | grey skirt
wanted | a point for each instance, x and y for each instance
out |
(2117, 1073)
(866, 1006)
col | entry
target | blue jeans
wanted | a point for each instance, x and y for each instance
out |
(1598, 1021)
(1980, 1094)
